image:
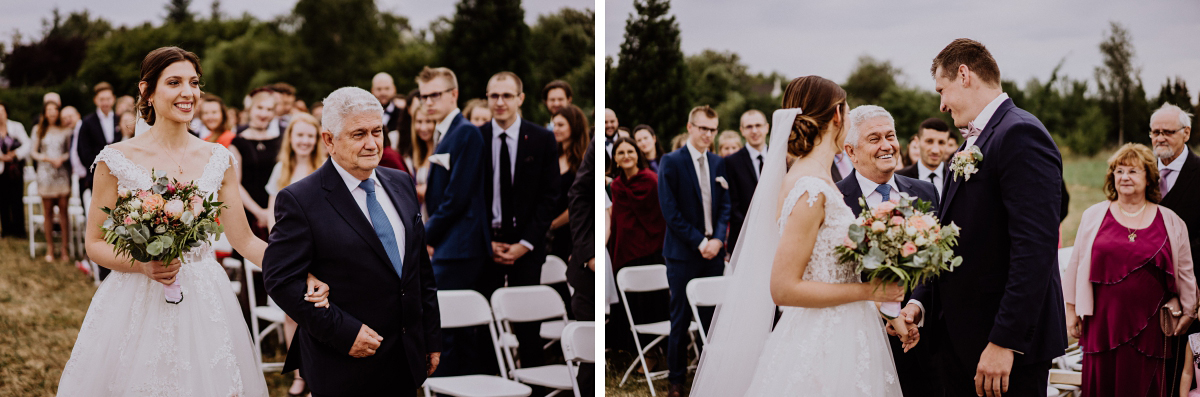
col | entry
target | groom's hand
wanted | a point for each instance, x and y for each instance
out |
(366, 343)
(991, 376)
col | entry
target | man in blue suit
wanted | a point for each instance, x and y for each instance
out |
(997, 321)
(872, 147)
(357, 227)
(694, 197)
(457, 229)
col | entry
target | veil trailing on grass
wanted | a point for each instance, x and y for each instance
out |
(741, 324)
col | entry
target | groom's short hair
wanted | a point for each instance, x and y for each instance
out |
(967, 52)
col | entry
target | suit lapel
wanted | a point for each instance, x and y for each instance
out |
(855, 193)
(343, 202)
(1191, 166)
(953, 183)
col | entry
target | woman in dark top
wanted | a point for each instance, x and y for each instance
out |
(570, 131)
(256, 151)
(12, 180)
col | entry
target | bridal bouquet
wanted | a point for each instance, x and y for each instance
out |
(900, 241)
(161, 224)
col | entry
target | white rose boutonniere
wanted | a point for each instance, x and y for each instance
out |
(966, 162)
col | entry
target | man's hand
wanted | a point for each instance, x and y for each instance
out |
(514, 252)
(591, 264)
(1074, 326)
(432, 362)
(430, 249)
(1184, 322)
(366, 343)
(711, 249)
(991, 375)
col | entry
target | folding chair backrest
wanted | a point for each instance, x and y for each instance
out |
(251, 268)
(642, 278)
(554, 271)
(527, 303)
(706, 291)
(463, 308)
(579, 342)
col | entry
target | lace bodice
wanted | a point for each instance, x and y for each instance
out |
(134, 176)
(823, 265)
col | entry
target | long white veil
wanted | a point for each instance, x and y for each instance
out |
(741, 324)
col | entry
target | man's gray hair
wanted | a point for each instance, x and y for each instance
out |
(1185, 118)
(346, 101)
(860, 115)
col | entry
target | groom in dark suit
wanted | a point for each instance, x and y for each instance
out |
(358, 228)
(997, 321)
(694, 197)
(872, 147)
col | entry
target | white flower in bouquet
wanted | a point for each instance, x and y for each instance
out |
(173, 208)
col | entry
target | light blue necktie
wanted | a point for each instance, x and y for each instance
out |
(885, 190)
(383, 228)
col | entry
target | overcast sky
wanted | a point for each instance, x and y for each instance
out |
(1027, 37)
(26, 15)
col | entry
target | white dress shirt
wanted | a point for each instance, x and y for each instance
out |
(985, 115)
(385, 201)
(17, 130)
(1175, 166)
(387, 113)
(702, 176)
(756, 159)
(512, 131)
(868, 188)
(443, 127)
(106, 124)
(924, 172)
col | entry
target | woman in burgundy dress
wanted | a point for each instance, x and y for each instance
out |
(1131, 258)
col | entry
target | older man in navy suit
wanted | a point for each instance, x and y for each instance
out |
(997, 321)
(694, 197)
(872, 147)
(358, 228)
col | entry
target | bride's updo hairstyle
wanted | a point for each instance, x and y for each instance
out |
(820, 99)
(152, 68)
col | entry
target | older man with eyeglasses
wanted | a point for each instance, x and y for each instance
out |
(1179, 168)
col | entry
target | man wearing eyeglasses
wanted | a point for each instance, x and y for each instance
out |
(457, 229)
(521, 179)
(694, 197)
(1179, 184)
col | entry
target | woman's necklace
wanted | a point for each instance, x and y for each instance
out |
(171, 156)
(1132, 233)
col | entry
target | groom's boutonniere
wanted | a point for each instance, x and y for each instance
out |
(966, 162)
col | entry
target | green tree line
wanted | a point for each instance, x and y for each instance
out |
(652, 82)
(317, 47)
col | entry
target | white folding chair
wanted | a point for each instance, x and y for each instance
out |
(467, 308)
(271, 313)
(705, 291)
(645, 279)
(579, 347)
(235, 265)
(529, 304)
(554, 271)
(33, 222)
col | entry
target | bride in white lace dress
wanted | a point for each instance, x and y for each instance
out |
(830, 340)
(132, 342)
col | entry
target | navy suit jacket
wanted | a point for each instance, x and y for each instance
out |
(679, 196)
(851, 191)
(459, 225)
(1008, 290)
(535, 183)
(91, 142)
(322, 231)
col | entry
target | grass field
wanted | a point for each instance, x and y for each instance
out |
(1084, 177)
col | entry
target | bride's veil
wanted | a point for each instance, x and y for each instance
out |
(741, 324)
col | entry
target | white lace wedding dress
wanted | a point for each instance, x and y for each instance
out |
(837, 351)
(134, 343)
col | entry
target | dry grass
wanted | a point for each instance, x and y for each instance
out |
(41, 308)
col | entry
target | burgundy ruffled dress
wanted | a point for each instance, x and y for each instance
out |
(1123, 344)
